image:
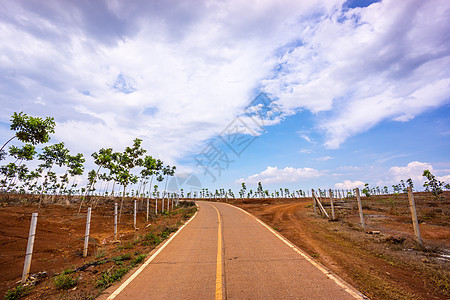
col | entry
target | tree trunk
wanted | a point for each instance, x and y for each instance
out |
(7, 142)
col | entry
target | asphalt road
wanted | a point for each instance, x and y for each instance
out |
(224, 253)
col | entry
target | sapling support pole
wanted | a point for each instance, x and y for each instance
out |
(412, 206)
(314, 203)
(156, 205)
(361, 215)
(29, 253)
(115, 221)
(86, 236)
(134, 217)
(332, 206)
(148, 207)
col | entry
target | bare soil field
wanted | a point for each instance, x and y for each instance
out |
(385, 265)
(61, 270)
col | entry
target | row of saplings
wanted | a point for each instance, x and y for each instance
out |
(130, 166)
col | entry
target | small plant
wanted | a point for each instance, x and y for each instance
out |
(121, 258)
(100, 254)
(151, 239)
(68, 271)
(64, 281)
(108, 278)
(137, 260)
(17, 292)
(167, 231)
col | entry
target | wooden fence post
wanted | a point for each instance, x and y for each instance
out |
(361, 215)
(332, 206)
(314, 202)
(29, 253)
(86, 236)
(412, 206)
(115, 221)
(134, 218)
(148, 207)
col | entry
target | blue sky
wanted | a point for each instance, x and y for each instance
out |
(355, 91)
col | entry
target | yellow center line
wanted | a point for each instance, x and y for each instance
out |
(219, 259)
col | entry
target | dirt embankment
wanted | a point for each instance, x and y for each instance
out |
(59, 244)
(388, 265)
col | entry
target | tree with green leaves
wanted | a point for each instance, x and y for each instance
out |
(366, 190)
(102, 159)
(75, 167)
(242, 191)
(34, 130)
(124, 163)
(410, 183)
(26, 152)
(433, 185)
(51, 155)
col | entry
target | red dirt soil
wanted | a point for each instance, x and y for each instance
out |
(60, 238)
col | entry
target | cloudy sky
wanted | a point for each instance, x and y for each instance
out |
(299, 94)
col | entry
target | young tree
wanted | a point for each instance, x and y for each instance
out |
(433, 185)
(75, 168)
(125, 162)
(29, 129)
(260, 190)
(366, 190)
(242, 191)
(51, 155)
(410, 183)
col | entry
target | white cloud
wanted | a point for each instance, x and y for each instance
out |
(390, 60)
(275, 175)
(99, 75)
(176, 74)
(413, 170)
(324, 158)
(347, 184)
(445, 178)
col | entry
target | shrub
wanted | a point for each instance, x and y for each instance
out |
(108, 278)
(122, 257)
(17, 292)
(137, 260)
(64, 281)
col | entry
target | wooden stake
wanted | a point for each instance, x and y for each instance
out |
(86, 236)
(412, 206)
(115, 221)
(332, 206)
(314, 203)
(29, 253)
(361, 215)
(135, 208)
(148, 207)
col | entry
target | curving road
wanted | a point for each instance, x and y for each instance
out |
(225, 253)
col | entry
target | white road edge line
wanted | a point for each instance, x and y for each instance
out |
(330, 275)
(141, 268)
